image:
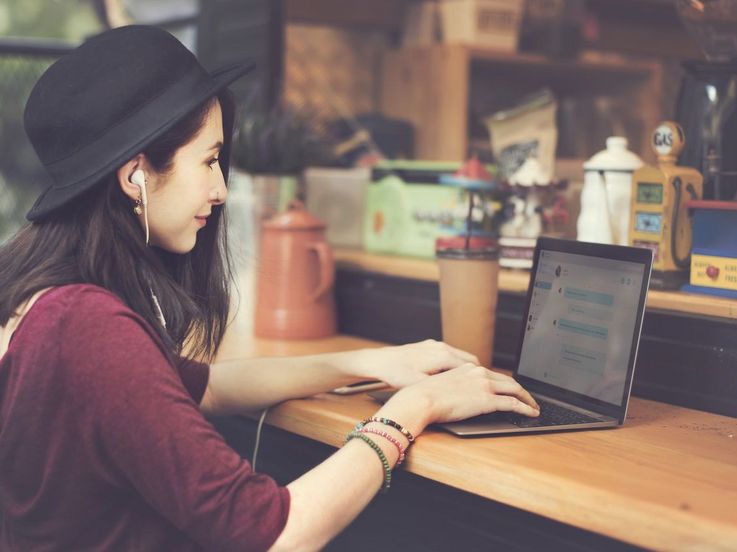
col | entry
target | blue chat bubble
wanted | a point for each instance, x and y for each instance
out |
(589, 296)
(583, 329)
(590, 312)
(582, 359)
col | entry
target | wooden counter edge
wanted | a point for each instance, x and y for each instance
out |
(516, 281)
(584, 506)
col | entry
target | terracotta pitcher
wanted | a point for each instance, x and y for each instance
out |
(295, 277)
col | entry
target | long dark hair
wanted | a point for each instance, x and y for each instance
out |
(98, 240)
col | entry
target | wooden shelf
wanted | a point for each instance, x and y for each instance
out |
(431, 87)
(516, 281)
(586, 61)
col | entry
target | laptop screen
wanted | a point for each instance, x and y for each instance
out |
(580, 325)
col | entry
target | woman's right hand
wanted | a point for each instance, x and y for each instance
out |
(348, 480)
(457, 394)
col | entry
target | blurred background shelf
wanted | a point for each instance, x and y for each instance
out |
(356, 55)
(590, 60)
(466, 84)
(516, 281)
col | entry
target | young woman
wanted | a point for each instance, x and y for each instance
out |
(123, 267)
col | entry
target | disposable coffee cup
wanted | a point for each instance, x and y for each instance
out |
(469, 283)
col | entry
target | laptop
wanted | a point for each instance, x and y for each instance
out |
(579, 339)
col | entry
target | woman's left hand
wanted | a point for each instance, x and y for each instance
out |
(404, 365)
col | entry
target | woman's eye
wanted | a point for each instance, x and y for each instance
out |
(212, 162)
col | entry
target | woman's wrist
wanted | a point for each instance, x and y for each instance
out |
(391, 434)
(361, 364)
(410, 408)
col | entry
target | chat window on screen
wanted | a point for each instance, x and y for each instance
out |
(578, 333)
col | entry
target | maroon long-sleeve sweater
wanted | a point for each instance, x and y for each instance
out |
(102, 444)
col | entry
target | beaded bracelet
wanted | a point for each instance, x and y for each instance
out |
(384, 462)
(390, 423)
(393, 440)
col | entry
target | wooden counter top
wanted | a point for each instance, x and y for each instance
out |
(516, 281)
(666, 480)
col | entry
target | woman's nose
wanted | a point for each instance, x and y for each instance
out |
(220, 192)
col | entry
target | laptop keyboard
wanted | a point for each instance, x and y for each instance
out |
(551, 414)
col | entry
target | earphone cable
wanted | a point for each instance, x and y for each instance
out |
(258, 438)
(145, 220)
(159, 312)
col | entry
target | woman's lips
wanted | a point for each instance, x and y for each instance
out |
(201, 220)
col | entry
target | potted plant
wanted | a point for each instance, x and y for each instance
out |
(273, 148)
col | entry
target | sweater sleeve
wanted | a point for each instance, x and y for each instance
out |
(150, 433)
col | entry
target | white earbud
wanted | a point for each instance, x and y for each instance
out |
(139, 179)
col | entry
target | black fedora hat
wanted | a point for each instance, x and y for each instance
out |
(104, 102)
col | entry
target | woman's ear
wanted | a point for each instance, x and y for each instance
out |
(125, 176)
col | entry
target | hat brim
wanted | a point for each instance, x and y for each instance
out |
(129, 138)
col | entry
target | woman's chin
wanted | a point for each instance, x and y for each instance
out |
(180, 247)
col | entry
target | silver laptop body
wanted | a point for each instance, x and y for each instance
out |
(581, 331)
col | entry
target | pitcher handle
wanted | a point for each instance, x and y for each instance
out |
(327, 269)
(612, 227)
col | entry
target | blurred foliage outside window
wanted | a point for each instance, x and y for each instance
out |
(35, 21)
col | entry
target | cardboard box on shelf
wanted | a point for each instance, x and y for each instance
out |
(492, 24)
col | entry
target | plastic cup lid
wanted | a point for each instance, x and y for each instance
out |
(478, 254)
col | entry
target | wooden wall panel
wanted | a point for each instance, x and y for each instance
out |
(429, 88)
(332, 72)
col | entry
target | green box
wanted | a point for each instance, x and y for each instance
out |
(406, 208)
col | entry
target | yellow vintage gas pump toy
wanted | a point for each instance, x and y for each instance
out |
(659, 219)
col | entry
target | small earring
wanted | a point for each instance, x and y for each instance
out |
(138, 209)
